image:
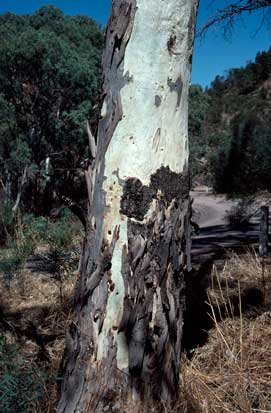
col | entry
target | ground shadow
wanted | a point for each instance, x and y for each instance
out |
(212, 246)
(198, 317)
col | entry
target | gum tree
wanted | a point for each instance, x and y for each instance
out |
(129, 302)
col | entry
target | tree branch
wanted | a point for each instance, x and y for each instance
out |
(229, 14)
(18, 199)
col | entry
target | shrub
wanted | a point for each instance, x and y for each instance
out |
(62, 233)
(241, 213)
(19, 243)
(21, 385)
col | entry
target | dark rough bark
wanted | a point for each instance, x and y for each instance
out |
(153, 269)
(154, 262)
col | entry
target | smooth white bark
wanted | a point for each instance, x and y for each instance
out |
(153, 128)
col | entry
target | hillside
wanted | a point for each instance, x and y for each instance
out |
(230, 129)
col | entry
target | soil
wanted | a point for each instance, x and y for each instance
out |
(210, 209)
(216, 236)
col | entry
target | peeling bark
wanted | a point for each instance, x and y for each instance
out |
(129, 301)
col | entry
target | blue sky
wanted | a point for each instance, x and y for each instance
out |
(213, 56)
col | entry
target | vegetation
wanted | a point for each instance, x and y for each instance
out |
(31, 234)
(49, 82)
(33, 322)
(49, 71)
(230, 128)
(199, 103)
(49, 79)
(231, 372)
(36, 296)
(21, 383)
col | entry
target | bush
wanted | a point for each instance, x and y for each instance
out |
(241, 213)
(19, 244)
(58, 235)
(30, 232)
(61, 234)
(21, 385)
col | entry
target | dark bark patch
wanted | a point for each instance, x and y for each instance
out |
(171, 184)
(117, 46)
(177, 87)
(158, 100)
(171, 44)
(136, 199)
(127, 78)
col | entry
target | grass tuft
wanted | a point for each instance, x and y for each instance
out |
(232, 372)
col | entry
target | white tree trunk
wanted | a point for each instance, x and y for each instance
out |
(130, 296)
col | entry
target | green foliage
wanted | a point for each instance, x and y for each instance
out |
(231, 129)
(198, 107)
(49, 80)
(21, 384)
(61, 234)
(28, 232)
(19, 243)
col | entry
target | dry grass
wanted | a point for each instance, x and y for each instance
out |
(247, 270)
(232, 372)
(34, 301)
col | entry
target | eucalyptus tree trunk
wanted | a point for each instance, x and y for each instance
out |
(126, 342)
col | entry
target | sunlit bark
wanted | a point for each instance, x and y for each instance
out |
(130, 297)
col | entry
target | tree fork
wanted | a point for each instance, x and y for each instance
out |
(130, 297)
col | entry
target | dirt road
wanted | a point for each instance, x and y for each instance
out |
(209, 209)
(216, 236)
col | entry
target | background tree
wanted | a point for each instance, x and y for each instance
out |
(199, 105)
(229, 128)
(49, 78)
(126, 341)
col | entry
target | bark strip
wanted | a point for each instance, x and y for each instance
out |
(88, 385)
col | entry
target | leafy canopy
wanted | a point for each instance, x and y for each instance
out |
(49, 78)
